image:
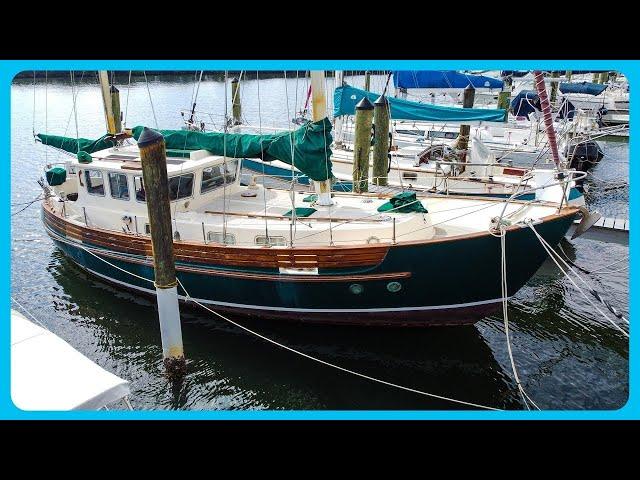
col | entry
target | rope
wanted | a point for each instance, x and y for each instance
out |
(332, 365)
(29, 313)
(505, 315)
(553, 255)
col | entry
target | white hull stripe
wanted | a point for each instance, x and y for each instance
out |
(302, 310)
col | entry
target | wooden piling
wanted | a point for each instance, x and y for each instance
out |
(236, 106)
(367, 80)
(381, 141)
(156, 184)
(362, 145)
(503, 102)
(567, 74)
(465, 130)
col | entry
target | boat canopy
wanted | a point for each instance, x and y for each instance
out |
(588, 88)
(346, 97)
(49, 374)
(526, 102)
(442, 79)
(311, 152)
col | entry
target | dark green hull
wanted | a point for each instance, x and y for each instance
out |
(453, 281)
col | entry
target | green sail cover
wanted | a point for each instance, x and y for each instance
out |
(346, 97)
(73, 145)
(405, 202)
(311, 142)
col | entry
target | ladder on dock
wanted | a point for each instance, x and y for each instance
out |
(607, 229)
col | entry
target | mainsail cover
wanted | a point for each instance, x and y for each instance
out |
(583, 87)
(442, 79)
(311, 152)
(76, 145)
(346, 97)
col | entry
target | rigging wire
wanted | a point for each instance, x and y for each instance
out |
(155, 119)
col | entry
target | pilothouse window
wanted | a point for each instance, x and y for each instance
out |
(139, 188)
(180, 186)
(212, 176)
(119, 186)
(95, 182)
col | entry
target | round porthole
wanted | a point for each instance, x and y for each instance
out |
(356, 288)
(394, 287)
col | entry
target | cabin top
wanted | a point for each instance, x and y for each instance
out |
(127, 158)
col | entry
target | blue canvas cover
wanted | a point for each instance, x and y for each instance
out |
(346, 97)
(526, 102)
(583, 87)
(442, 79)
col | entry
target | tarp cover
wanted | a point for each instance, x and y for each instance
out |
(526, 102)
(405, 202)
(346, 97)
(583, 87)
(49, 374)
(442, 79)
(311, 142)
(73, 145)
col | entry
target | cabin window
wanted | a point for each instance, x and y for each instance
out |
(147, 229)
(217, 237)
(95, 182)
(273, 241)
(212, 177)
(139, 188)
(409, 176)
(119, 186)
(180, 186)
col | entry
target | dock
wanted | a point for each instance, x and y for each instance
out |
(607, 229)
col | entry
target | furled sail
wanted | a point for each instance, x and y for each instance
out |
(311, 152)
(76, 145)
(346, 97)
(442, 79)
(583, 87)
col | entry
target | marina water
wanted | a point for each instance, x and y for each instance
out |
(567, 357)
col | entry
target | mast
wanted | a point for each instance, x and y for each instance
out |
(319, 111)
(338, 121)
(111, 103)
(546, 112)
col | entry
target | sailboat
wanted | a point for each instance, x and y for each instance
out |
(332, 257)
(426, 158)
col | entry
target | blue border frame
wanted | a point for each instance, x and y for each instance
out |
(631, 68)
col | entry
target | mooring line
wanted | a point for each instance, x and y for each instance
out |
(315, 359)
(551, 254)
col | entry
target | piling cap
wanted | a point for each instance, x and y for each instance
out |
(234, 80)
(381, 101)
(149, 136)
(364, 104)
(469, 87)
